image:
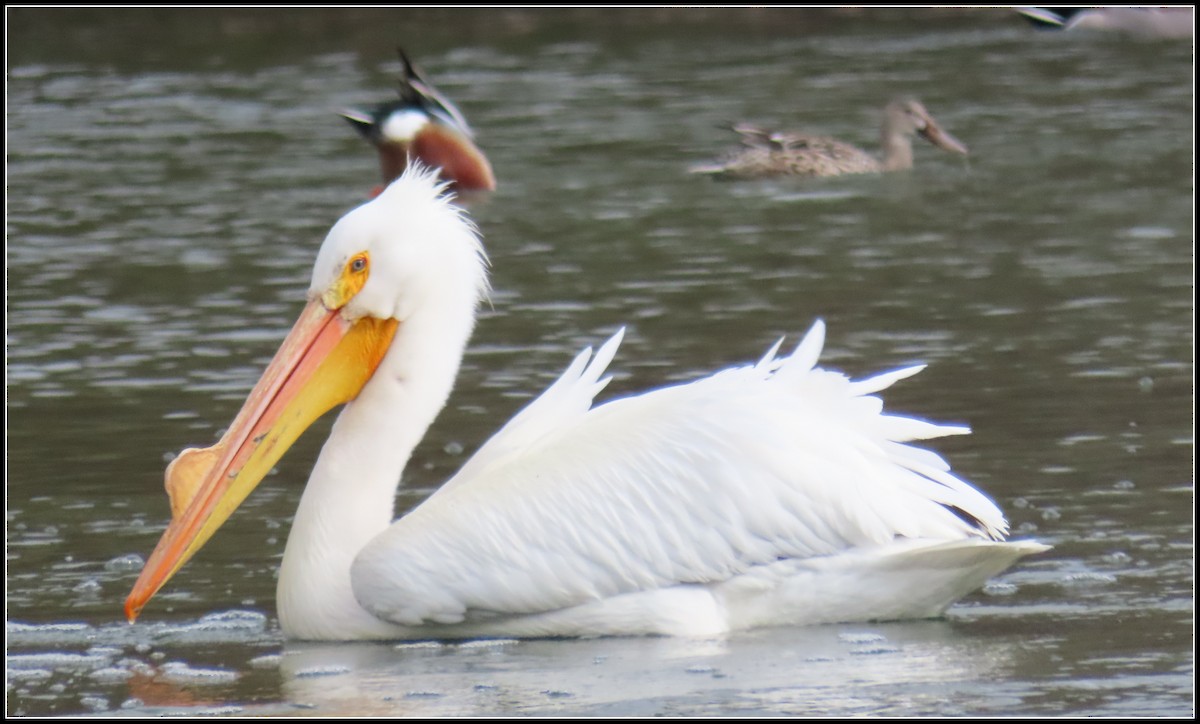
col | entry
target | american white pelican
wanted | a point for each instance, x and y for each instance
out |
(423, 126)
(767, 494)
(767, 153)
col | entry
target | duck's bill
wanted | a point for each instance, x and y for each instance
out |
(362, 121)
(934, 133)
(324, 361)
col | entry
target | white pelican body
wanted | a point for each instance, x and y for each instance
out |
(770, 494)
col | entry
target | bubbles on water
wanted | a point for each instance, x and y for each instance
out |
(315, 671)
(486, 643)
(867, 643)
(94, 703)
(27, 675)
(234, 619)
(224, 626)
(873, 650)
(23, 634)
(998, 588)
(181, 673)
(864, 637)
(267, 661)
(88, 587)
(214, 711)
(1089, 578)
(111, 675)
(137, 666)
(56, 661)
(130, 562)
(418, 645)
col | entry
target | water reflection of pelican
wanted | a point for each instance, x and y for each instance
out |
(927, 667)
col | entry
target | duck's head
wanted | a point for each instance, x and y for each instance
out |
(907, 116)
(423, 126)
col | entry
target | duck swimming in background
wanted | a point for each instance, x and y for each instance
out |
(768, 153)
(766, 494)
(425, 126)
(1163, 23)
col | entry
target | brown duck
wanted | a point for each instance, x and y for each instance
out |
(770, 153)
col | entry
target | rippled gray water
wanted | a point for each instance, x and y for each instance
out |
(171, 173)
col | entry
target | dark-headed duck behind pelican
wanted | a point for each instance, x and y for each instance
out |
(423, 125)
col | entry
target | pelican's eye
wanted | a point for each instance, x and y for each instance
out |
(349, 282)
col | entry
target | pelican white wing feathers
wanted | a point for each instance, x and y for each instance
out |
(700, 483)
(562, 404)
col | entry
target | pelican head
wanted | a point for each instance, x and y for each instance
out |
(423, 126)
(407, 265)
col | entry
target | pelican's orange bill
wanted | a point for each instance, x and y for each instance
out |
(324, 361)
